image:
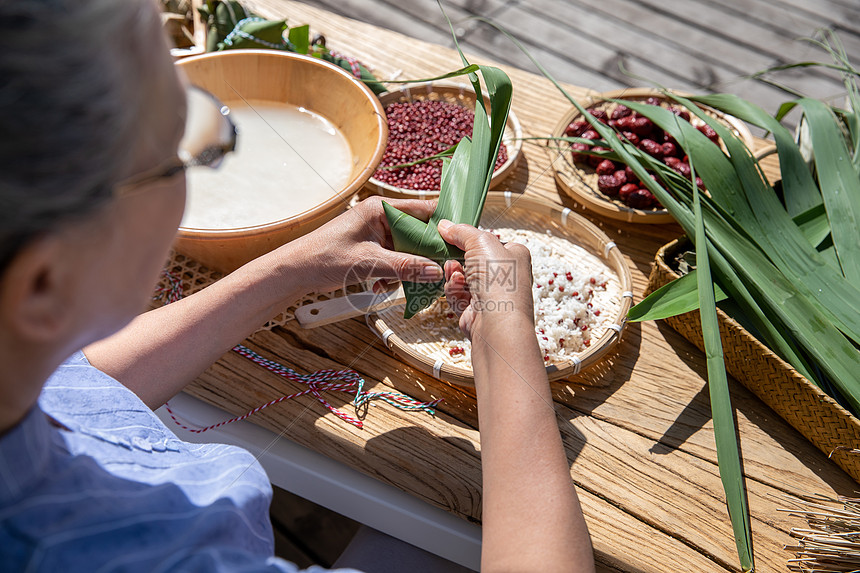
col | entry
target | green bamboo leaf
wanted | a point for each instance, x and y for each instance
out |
(465, 182)
(801, 191)
(677, 297)
(740, 518)
(728, 455)
(778, 236)
(814, 225)
(840, 185)
(299, 37)
(783, 305)
(837, 67)
(465, 70)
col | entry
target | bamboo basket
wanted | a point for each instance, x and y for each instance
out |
(517, 211)
(462, 95)
(798, 401)
(580, 182)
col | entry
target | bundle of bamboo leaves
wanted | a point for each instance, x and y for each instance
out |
(787, 254)
(465, 181)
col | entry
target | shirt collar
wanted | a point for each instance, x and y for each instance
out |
(24, 455)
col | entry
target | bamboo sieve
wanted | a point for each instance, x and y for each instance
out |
(580, 182)
(462, 95)
(516, 211)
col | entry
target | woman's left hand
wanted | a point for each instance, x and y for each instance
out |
(357, 246)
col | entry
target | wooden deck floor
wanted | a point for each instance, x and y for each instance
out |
(693, 45)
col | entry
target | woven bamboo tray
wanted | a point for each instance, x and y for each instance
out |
(463, 95)
(798, 401)
(580, 182)
(405, 337)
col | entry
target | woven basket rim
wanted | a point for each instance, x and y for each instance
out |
(512, 136)
(599, 350)
(660, 259)
(600, 204)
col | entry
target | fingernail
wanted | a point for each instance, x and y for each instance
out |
(432, 273)
(444, 224)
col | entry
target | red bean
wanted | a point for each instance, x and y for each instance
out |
(420, 129)
(590, 134)
(621, 176)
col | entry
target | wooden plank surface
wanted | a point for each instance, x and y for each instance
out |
(637, 429)
(697, 45)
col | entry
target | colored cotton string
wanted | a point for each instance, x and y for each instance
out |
(347, 380)
(351, 382)
(353, 63)
(239, 32)
(172, 291)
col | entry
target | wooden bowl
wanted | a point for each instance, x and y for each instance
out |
(580, 181)
(504, 209)
(457, 93)
(302, 81)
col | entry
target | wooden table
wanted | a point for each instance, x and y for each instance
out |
(638, 433)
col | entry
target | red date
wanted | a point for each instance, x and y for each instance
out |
(614, 179)
(641, 199)
(626, 190)
(652, 148)
(608, 185)
(576, 128)
(605, 167)
(621, 111)
(631, 137)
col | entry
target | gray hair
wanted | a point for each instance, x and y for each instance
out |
(68, 103)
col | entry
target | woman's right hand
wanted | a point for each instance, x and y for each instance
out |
(493, 285)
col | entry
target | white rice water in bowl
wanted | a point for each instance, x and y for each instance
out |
(576, 295)
(288, 160)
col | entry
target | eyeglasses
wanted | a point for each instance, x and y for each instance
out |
(209, 136)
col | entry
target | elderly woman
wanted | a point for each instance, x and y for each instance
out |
(92, 190)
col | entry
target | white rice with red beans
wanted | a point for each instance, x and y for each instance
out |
(576, 295)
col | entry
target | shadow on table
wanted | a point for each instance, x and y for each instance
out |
(594, 385)
(425, 464)
(697, 414)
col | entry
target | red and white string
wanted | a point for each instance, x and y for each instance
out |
(348, 381)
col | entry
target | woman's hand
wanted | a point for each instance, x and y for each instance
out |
(526, 476)
(357, 246)
(496, 283)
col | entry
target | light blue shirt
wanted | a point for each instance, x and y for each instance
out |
(103, 485)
